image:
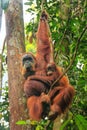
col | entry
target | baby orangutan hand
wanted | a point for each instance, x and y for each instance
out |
(45, 98)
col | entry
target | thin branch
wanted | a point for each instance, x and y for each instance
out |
(74, 56)
(42, 5)
(3, 45)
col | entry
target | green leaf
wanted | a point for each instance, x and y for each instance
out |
(28, 3)
(21, 122)
(81, 122)
(64, 124)
(34, 122)
(39, 127)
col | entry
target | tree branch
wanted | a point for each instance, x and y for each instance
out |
(74, 56)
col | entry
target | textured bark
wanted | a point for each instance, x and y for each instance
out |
(15, 46)
(57, 123)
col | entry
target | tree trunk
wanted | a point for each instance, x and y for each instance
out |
(15, 46)
(57, 122)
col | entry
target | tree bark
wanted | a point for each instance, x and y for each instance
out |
(15, 47)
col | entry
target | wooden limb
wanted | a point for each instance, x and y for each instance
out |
(42, 5)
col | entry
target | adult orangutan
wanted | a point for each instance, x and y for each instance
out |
(34, 89)
(45, 73)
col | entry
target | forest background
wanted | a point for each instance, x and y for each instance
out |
(68, 25)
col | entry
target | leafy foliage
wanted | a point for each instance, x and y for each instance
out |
(67, 20)
(4, 111)
(4, 103)
(43, 124)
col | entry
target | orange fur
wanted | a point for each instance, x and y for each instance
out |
(43, 43)
(61, 95)
(35, 106)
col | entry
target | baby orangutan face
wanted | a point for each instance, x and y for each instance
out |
(51, 68)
